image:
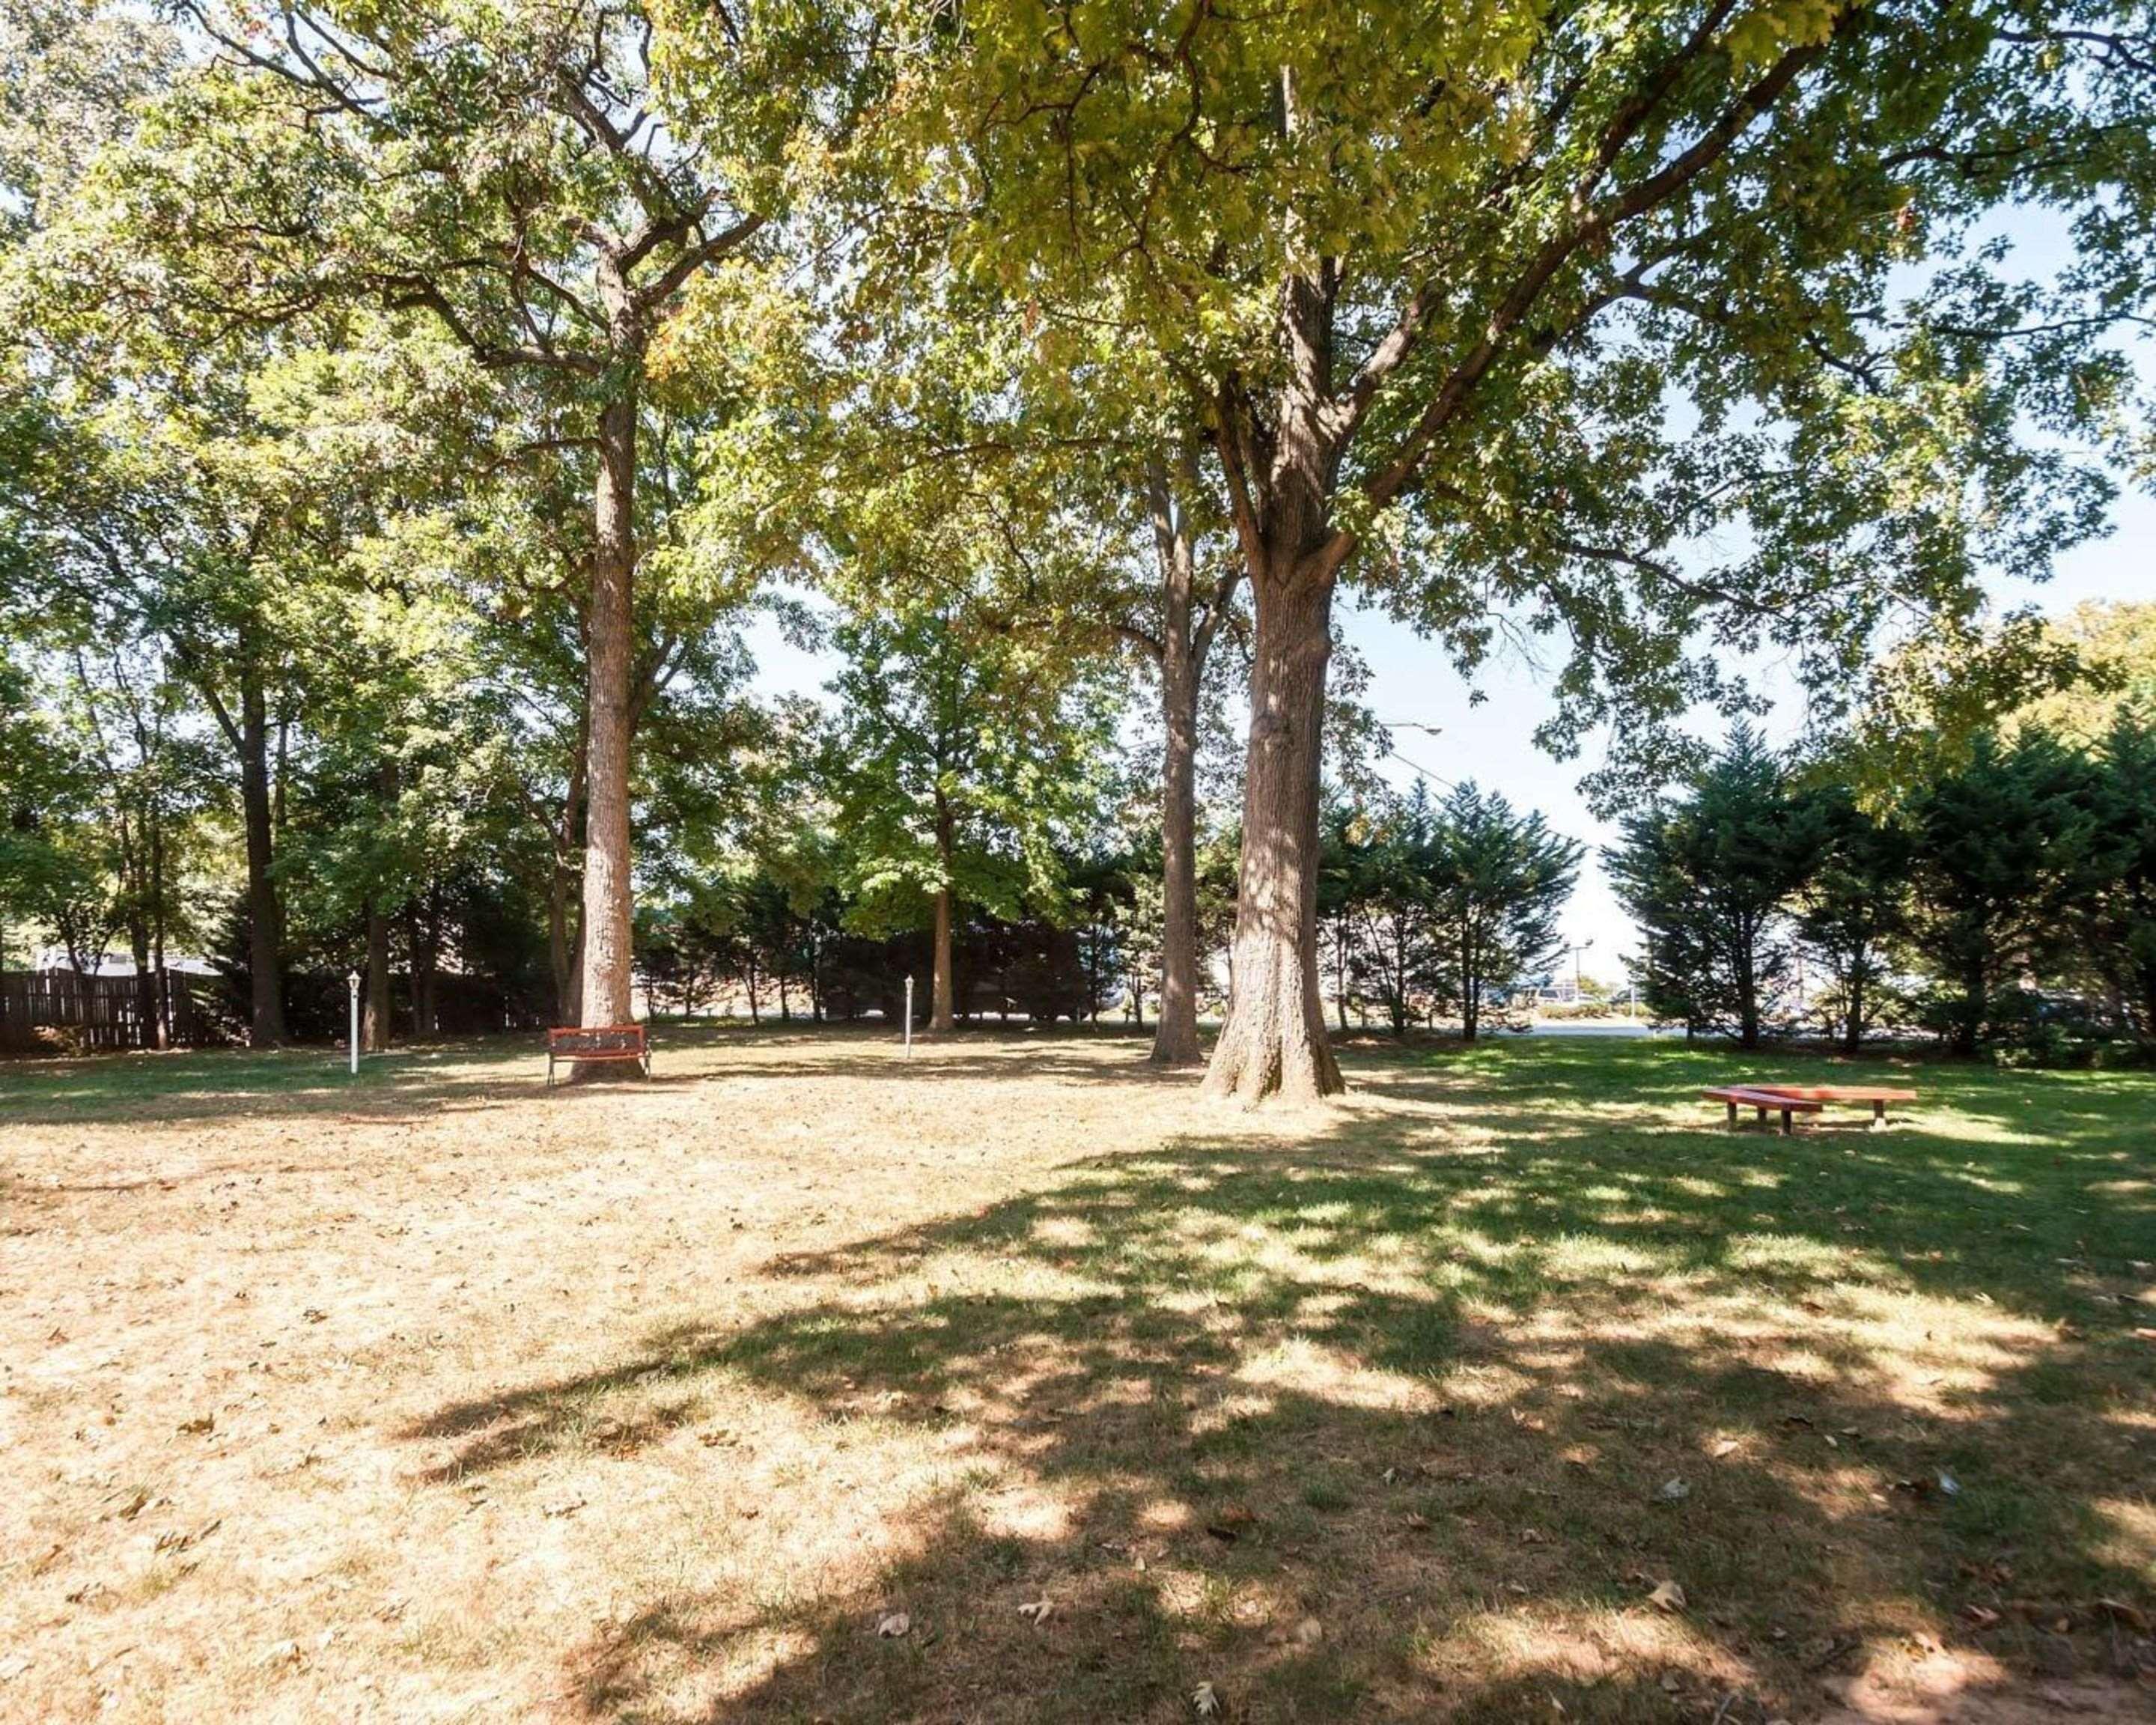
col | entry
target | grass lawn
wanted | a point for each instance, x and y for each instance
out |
(432, 1395)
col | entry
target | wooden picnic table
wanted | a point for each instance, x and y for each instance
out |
(575, 1045)
(1877, 1094)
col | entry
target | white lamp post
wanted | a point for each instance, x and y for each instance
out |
(351, 982)
(909, 1015)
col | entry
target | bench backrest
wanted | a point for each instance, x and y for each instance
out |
(598, 1040)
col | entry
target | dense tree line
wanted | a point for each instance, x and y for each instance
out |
(402, 412)
(2003, 897)
(1439, 908)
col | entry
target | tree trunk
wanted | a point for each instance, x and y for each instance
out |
(1175, 1033)
(1274, 1041)
(606, 950)
(1976, 992)
(145, 983)
(1339, 973)
(265, 1025)
(163, 1016)
(1748, 993)
(423, 936)
(374, 996)
(943, 991)
(1470, 996)
(942, 1016)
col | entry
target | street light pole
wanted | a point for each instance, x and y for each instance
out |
(351, 982)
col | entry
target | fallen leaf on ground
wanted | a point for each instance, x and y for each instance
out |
(1727, 1446)
(565, 1507)
(1309, 1632)
(1668, 1596)
(1038, 1610)
(194, 1428)
(176, 1539)
(1205, 1701)
(893, 1624)
(1674, 1491)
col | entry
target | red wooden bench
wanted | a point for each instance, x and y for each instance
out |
(1878, 1094)
(1766, 1101)
(598, 1042)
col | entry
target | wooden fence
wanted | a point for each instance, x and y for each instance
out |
(57, 1009)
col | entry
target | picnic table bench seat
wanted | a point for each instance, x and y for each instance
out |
(577, 1045)
(1764, 1102)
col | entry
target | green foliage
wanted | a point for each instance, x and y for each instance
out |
(964, 758)
(1707, 877)
(2115, 913)
(1654, 333)
(2002, 847)
(1501, 881)
(1854, 910)
(1441, 907)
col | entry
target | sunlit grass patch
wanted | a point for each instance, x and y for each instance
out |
(656, 1411)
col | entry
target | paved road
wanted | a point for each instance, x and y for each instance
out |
(1598, 1027)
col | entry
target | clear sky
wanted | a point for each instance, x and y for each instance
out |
(1412, 684)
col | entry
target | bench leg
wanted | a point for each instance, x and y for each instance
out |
(1879, 1114)
(1761, 1114)
(1731, 1106)
(1786, 1129)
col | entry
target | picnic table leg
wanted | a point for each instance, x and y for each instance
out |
(1786, 1129)
(1878, 1113)
(1731, 1106)
(1762, 1112)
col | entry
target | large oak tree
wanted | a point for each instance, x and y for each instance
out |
(1668, 330)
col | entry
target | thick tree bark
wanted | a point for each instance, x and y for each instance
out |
(374, 994)
(942, 1016)
(1274, 1041)
(266, 909)
(607, 950)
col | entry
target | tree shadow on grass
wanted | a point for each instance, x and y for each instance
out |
(1373, 1426)
(407, 1084)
